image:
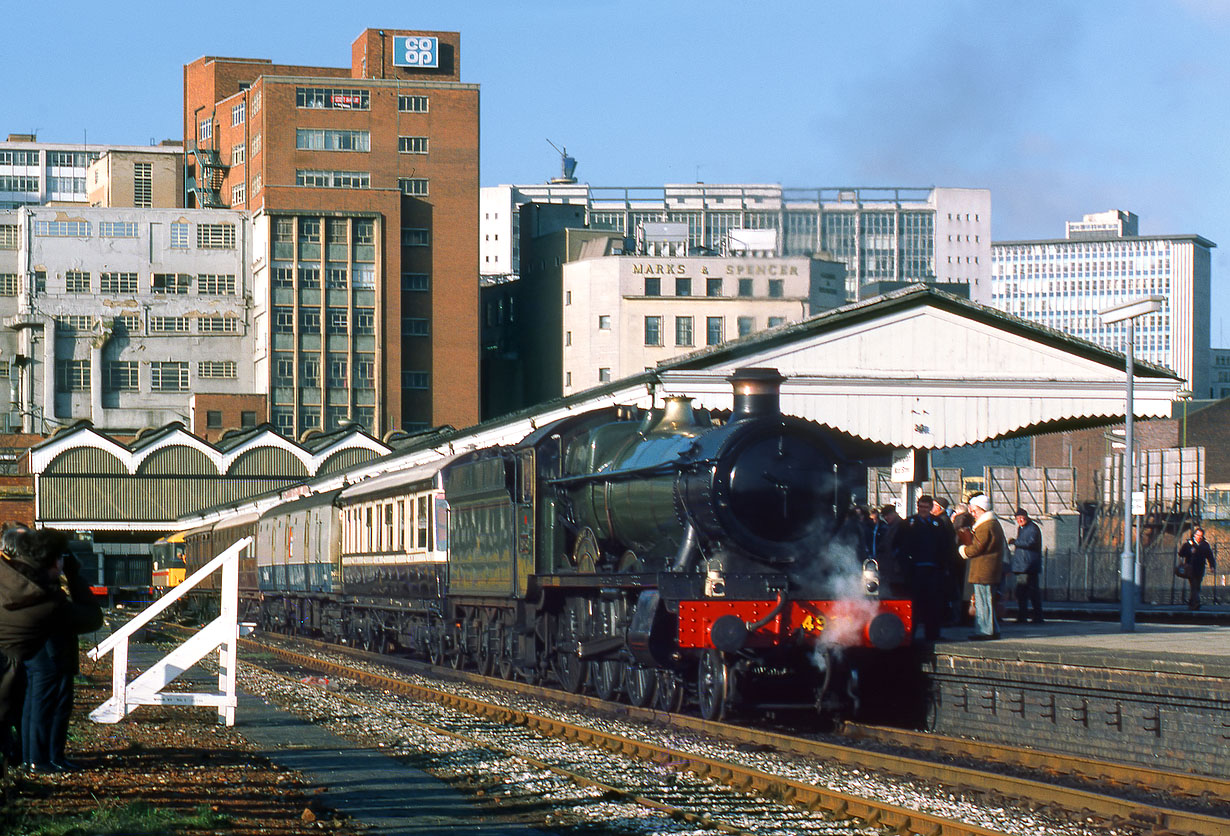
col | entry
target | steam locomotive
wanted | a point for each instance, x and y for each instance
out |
(646, 555)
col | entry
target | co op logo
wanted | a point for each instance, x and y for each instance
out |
(415, 51)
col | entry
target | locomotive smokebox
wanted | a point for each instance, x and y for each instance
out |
(757, 391)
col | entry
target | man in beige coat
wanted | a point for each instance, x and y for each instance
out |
(984, 557)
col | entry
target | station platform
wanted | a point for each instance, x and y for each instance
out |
(1158, 696)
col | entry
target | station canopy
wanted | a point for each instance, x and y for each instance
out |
(921, 368)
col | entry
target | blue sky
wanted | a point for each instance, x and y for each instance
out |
(1060, 108)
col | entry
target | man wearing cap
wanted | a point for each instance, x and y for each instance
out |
(984, 556)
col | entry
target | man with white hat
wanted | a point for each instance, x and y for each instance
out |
(984, 555)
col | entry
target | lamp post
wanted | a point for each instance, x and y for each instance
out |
(1129, 563)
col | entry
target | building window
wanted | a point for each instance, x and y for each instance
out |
(76, 281)
(18, 158)
(415, 237)
(238, 194)
(364, 373)
(206, 129)
(179, 236)
(365, 321)
(309, 320)
(283, 320)
(309, 277)
(683, 330)
(62, 229)
(604, 375)
(745, 325)
(217, 369)
(117, 282)
(415, 380)
(283, 276)
(683, 287)
(215, 284)
(415, 282)
(775, 321)
(8, 236)
(173, 283)
(217, 325)
(238, 113)
(18, 184)
(653, 330)
(337, 321)
(238, 154)
(776, 288)
(604, 322)
(714, 330)
(413, 186)
(213, 419)
(73, 375)
(713, 287)
(121, 376)
(256, 144)
(332, 98)
(129, 323)
(653, 286)
(333, 179)
(256, 184)
(142, 185)
(412, 144)
(336, 278)
(412, 104)
(309, 372)
(320, 139)
(170, 325)
(338, 367)
(117, 229)
(745, 287)
(8, 284)
(74, 322)
(215, 236)
(414, 326)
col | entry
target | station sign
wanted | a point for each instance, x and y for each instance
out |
(416, 51)
(909, 466)
(1138, 503)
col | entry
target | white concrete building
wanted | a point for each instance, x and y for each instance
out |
(119, 316)
(1064, 282)
(33, 173)
(880, 234)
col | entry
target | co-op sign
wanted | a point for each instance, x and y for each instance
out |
(415, 51)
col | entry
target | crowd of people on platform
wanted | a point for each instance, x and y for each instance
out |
(952, 562)
(44, 606)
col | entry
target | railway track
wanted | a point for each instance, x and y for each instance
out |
(746, 768)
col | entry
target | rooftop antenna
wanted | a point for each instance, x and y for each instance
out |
(568, 165)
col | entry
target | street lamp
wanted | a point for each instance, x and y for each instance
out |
(1129, 563)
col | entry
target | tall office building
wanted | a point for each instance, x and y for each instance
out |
(363, 185)
(33, 173)
(1101, 262)
(882, 235)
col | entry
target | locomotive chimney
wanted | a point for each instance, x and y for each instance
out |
(757, 392)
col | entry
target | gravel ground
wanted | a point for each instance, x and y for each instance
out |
(173, 759)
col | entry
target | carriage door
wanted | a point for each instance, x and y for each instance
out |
(524, 509)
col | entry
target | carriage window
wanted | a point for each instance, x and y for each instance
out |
(387, 528)
(421, 520)
(367, 531)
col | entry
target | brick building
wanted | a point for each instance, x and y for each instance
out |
(363, 185)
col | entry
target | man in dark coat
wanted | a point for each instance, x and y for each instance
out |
(925, 546)
(1027, 566)
(1197, 552)
(32, 607)
(50, 672)
(983, 550)
(886, 548)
